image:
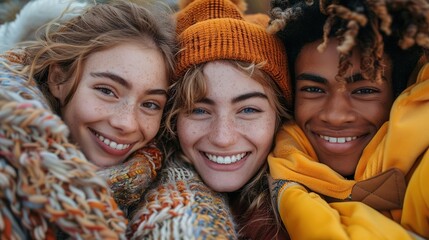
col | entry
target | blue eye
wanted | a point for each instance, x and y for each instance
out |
(250, 110)
(198, 111)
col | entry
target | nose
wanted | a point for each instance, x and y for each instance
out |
(337, 110)
(223, 132)
(124, 118)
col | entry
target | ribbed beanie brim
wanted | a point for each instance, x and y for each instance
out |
(211, 30)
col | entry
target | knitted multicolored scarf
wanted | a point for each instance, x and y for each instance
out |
(129, 180)
(46, 184)
(181, 206)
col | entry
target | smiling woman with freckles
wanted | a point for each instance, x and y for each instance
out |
(117, 106)
(228, 133)
(108, 79)
(226, 106)
(103, 76)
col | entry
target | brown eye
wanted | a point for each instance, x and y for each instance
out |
(366, 91)
(312, 89)
(151, 105)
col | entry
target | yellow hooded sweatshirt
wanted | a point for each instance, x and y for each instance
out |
(402, 143)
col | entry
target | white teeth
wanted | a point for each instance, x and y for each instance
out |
(225, 159)
(111, 143)
(337, 140)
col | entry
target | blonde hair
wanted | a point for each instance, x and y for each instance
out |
(190, 89)
(100, 27)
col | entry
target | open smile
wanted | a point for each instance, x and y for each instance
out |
(110, 143)
(229, 159)
(338, 139)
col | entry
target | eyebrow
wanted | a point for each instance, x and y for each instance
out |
(126, 84)
(112, 77)
(311, 77)
(249, 95)
(157, 92)
(355, 78)
(238, 98)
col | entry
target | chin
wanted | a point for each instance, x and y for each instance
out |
(217, 188)
(105, 163)
(346, 172)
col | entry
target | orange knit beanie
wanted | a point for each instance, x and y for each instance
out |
(211, 30)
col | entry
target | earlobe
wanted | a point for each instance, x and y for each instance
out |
(55, 74)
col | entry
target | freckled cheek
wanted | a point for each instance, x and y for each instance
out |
(150, 126)
(262, 130)
(189, 131)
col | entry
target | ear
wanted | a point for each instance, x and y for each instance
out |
(55, 77)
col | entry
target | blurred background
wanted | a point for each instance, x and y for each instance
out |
(9, 8)
(253, 6)
(19, 19)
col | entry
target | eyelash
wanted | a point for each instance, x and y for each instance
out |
(109, 92)
(247, 110)
(367, 91)
(253, 110)
(358, 91)
(154, 106)
(104, 90)
(198, 111)
(312, 89)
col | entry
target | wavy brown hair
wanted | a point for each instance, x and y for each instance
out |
(100, 27)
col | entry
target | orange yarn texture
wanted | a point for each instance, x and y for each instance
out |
(211, 30)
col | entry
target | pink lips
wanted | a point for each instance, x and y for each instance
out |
(225, 167)
(110, 150)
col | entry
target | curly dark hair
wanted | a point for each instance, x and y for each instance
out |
(397, 28)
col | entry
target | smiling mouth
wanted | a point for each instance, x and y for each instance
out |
(110, 143)
(338, 140)
(226, 159)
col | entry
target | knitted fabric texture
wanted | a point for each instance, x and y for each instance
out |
(210, 30)
(46, 184)
(129, 180)
(181, 206)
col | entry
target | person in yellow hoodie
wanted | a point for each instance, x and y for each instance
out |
(353, 163)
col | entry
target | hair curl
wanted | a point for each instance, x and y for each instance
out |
(397, 28)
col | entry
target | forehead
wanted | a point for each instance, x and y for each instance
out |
(128, 54)
(327, 59)
(224, 78)
(327, 63)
